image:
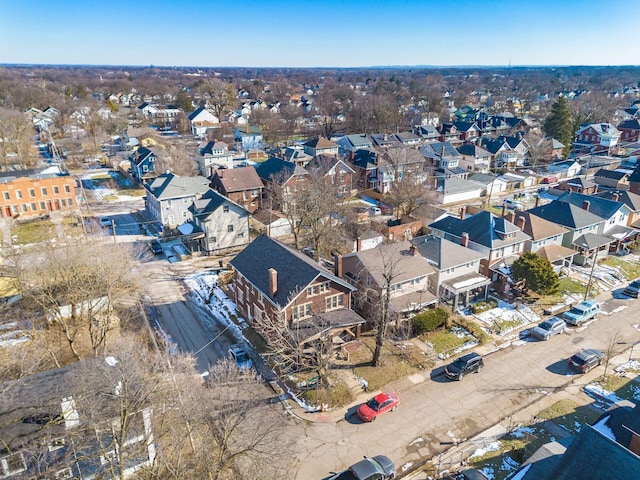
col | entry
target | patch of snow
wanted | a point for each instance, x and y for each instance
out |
(630, 365)
(488, 472)
(594, 389)
(406, 466)
(509, 464)
(491, 447)
(604, 429)
(521, 432)
(111, 361)
(615, 310)
(521, 474)
(417, 440)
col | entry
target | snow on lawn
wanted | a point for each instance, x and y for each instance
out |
(506, 312)
(490, 447)
(594, 390)
(632, 365)
(521, 432)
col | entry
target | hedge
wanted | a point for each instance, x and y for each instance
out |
(429, 320)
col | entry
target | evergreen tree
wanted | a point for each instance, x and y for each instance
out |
(559, 125)
(536, 272)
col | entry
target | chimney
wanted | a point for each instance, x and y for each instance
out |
(586, 204)
(358, 244)
(463, 212)
(414, 250)
(504, 209)
(464, 239)
(521, 222)
(337, 265)
(512, 217)
(538, 201)
(273, 282)
(616, 197)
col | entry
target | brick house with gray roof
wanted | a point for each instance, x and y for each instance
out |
(281, 291)
(241, 185)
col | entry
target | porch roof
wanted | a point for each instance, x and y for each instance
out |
(466, 283)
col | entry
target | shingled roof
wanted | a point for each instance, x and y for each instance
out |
(295, 271)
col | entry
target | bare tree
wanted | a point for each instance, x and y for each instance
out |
(76, 287)
(613, 340)
(15, 138)
(219, 95)
(539, 147)
(177, 160)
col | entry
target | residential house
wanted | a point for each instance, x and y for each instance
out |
(449, 133)
(38, 191)
(281, 291)
(364, 240)
(578, 184)
(142, 163)
(442, 155)
(396, 267)
(630, 130)
(634, 180)
(502, 154)
(169, 198)
(240, 185)
(201, 120)
(212, 156)
(517, 181)
(399, 163)
(499, 240)
(545, 238)
(278, 174)
(615, 214)
(428, 133)
(457, 281)
(335, 172)
(50, 427)
(224, 224)
(349, 144)
(408, 139)
(248, 137)
(630, 199)
(296, 154)
(606, 449)
(365, 166)
(474, 158)
(601, 138)
(383, 141)
(271, 223)
(584, 229)
(320, 146)
(612, 179)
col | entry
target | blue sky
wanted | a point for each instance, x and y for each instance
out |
(324, 33)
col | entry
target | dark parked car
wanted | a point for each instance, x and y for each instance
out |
(547, 329)
(155, 247)
(632, 289)
(585, 360)
(379, 467)
(469, 363)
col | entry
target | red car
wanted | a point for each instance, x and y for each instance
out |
(381, 403)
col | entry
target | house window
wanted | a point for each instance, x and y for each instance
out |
(14, 209)
(185, 201)
(18, 194)
(56, 190)
(67, 189)
(7, 196)
(64, 473)
(230, 228)
(184, 215)
(313, 290)
(333, 302)
(34, 207)
(298, 312)
(225, 209)
(32, 192)
(169, 204)
(42, 206)
(44, 191)
(241, 234)
(12, 464)
(70, 200)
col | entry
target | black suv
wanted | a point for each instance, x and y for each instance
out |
(585, 360)
(155, 247)
(469, 363)
(379, 467)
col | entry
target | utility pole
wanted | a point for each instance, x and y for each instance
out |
(113, 227)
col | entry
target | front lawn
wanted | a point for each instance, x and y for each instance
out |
(569, 415)
(630, 269)
(443, 340)
(32, 231)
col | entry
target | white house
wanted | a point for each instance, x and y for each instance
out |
(200, 120)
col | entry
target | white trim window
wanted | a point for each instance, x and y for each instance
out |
(334, 302)
(298, 312)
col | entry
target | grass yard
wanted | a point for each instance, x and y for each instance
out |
(630, 269)
(32, 231)
(624, 387)
(443, 340)
(569, 415)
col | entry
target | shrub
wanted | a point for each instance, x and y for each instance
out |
(483, 306)
(474, 329)
(429, 320)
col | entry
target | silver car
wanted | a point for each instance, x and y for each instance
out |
(547, 329)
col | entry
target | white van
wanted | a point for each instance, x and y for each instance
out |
(510, 203)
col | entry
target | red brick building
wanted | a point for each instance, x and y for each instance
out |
(35, 192)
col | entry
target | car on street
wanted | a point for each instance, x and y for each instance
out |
(155, 246)
(632, 289)
(512, 204)
(547, 329)
(381, 403)
(585, 360)
(240, 357)
(581, 312)
(379, 467)
(470, 363)
(105, 221)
